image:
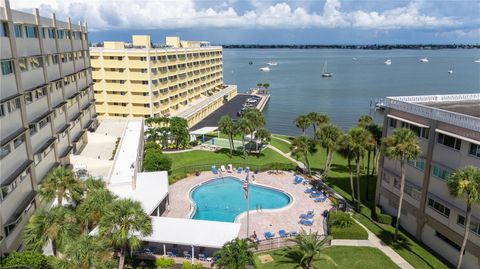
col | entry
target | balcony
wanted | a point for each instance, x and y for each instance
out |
(49, 46)
(113, 75)
(112, 109)
(9, 166)
(136, 87)
(62, 144)
(11, 125)
(14, 199)
(41, 137)
(79, 64)
(59, 122)
(107, 63)
(139, 76)
(37, 108)
(116, 98)
(77, 44)
(70, 90)
(73, 112)
(64, 45)
(53, 72)
(137, 64)
(27, 47)
(5, 50)
(68, 68)
(46, 164)
(32, 78)
(8, 86)
(140, 99)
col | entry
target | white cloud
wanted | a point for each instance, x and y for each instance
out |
(118, 14)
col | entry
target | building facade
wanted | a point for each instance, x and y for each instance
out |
(143, 80)
(448, 129)
(46, 106)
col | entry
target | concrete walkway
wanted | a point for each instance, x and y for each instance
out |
(287, 155)
(281, 139)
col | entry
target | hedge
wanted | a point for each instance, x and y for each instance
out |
(352, 231)
(380, 217)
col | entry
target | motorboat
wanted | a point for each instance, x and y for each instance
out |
(424, 60)
(388, 62)
(450, 71)
(354, 58)
(477, 61)
(272, 63)
(250, 62)
(265, 69)
(325, 73)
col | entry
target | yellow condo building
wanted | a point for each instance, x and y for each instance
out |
(180, 78)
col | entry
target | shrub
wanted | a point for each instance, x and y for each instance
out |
(380, 217)
(189, 265)
(156, 161)
(342, 226)
(341, 219)
(164, 262)
(152, 146)
(31, 259)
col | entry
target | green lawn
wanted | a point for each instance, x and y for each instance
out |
(286, 137)
(199, 160)
(344, 257)
(354, 231)
(279, 144)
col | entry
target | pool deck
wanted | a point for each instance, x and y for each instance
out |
(260, 221)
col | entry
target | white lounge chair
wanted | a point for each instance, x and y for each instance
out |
(222, 168)
(230, 168)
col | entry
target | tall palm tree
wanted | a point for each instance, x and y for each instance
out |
(243, 128)
(465, 184)
(308, 249)
(54, 226)
(255, 120)
(376, 131)
(317, 120)
(328, 136)
(236, 254)
(61, 183)
(227, 126)
(359, 143)
(263, 135)
(365, 120)
(403, 146)
(86, 252)
(345, 149)
(123, 224)
(302, 146)
(302, 122)
(94, 207)
(152, 134)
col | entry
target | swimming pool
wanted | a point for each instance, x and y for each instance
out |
(223, 199)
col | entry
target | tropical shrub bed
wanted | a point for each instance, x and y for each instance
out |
(342, 226)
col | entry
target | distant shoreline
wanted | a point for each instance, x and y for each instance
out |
(360, 47)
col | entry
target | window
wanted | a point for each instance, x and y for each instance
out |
(449, 141)
(35, 62)
(474, 150)
(18, 30)
(37, 159)
(22, 63)
(33, 129)
(13, 105)
(143, 59)
(55, 59)
(3, 29)
(31, 31)
(60, 34)
(2, 110)
(28, 98)
(18, 141)
(419, 164)
(445, 211)
(51, 33)
(419, 131)
(7, 67)
(447, 240)
(474, 227)
(4, 151)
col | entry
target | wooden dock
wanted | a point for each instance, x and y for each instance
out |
(264, 98)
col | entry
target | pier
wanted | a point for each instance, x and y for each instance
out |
(264, 97)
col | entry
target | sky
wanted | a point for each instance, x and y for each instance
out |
(273, 21)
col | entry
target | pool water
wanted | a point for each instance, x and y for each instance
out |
(223, 199)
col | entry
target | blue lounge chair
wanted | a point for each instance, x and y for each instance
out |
(320, 199)
(269, 235)
(307, 216)
(298, 180)
(306, 222)
(315, 194)
(247, 169)
(239, 170)
(282, 233)
(309, 190)
(171, 255)
(311, 211)
(294, 233)
(214, 169)
(202, 257)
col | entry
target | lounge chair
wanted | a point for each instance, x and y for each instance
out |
(171, 255)
(239, 170)
(187, 255)
(309, 190)
(306, 222)
(229, 168)
(202, 257)
(298, 180)
(269, 235)
(315, 194)
(294, 233)
(222, 168)
(307, 216)
(311, 211)
(320, 199)
(247, 169)
(214, 169)
(282, 233)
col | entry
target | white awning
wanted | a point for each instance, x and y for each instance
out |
(458, 136)
(192, 232)
(407, 121)
(204, 130)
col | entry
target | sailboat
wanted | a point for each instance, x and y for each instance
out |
(388, 62)
(450, 71)
(424, 60)
(477, 61)
(325, 73)
(265, 69)
(272, 63)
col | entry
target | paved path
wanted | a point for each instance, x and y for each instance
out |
(281, 139)
(287, 155)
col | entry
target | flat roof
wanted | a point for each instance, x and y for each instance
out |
(471, 108)
(204, 130)
(150, 190)
(192, 232)
(124, 170)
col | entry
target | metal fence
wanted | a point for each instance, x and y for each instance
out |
(274, 243)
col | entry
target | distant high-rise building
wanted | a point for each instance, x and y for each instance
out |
(181, 78)
(46, 106)
(448, 129)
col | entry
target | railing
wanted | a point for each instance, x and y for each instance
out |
(412, 104)
(271, 244)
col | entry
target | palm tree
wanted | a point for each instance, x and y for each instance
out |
(403, 146)
(86, 252)
(94, 207)
(317, 120)
(255, 121)
(235, 254)
(62, 184)
(328, 136)
(308, 249)
(266, 85)
(227, 126)
(360, 139)
(302, 146)
(302, 122)
(152, 134)
(376, 131)
(365, 120)
(345, 149)
(123, 224)
(465, 184)
(264, 136)
(54, 226)
(243, 128)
